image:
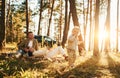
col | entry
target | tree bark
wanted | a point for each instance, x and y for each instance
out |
(90, 34)
(2, 25)
(107, 24)
(66, 27)
(117, 40)
(27, 17)
(60, 23)
(48, 32)
(84, 23)
(40, 16)
(74, 12)
(96, 31)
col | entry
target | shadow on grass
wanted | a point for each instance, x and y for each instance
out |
(9, 65)
(114, 67)
(88, 69)
(91, 69)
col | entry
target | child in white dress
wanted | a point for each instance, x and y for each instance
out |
(72, 46)
(51, 53)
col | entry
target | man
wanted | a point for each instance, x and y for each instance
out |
(28, 45)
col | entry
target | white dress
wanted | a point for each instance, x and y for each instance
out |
(54, 52)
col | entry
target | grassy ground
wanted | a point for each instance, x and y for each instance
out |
(107, 65)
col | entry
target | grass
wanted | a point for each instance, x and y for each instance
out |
(10, 66)
(104, 66)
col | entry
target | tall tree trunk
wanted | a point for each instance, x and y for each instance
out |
(8, 14)
(48, 32)
(117, 40)
(11, 27)
(2, 25)
(9, 21)
(40, 16)
(74, 12)
(107, 39)
(66, 27)
(60, 22)
(86, 24)
(96, 31)
(90, 35)
(27, 17)
(84, 19)
(87, 13)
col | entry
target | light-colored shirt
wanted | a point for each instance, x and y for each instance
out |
(72, 42)
(30, 44)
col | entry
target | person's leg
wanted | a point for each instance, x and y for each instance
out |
(71, 57)
(52, 53)
(39, 53)
(30, 53)
(74, 57)
(20, 53)
(62, 51)
(23, 52)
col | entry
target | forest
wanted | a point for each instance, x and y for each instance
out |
(99, 27)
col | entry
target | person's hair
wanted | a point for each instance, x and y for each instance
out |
(29, 32)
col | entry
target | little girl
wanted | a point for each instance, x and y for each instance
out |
(72, 46)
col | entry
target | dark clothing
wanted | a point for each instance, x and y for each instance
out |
(24, 52)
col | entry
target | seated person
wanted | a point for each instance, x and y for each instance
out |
(51, 53)
(28, 46)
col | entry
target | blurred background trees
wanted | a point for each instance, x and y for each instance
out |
(54, 18)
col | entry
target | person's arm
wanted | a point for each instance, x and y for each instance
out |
(21, 45)
(71, 38)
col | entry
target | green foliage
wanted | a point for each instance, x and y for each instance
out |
(22, 67)
(33, 74)
(18, 13)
